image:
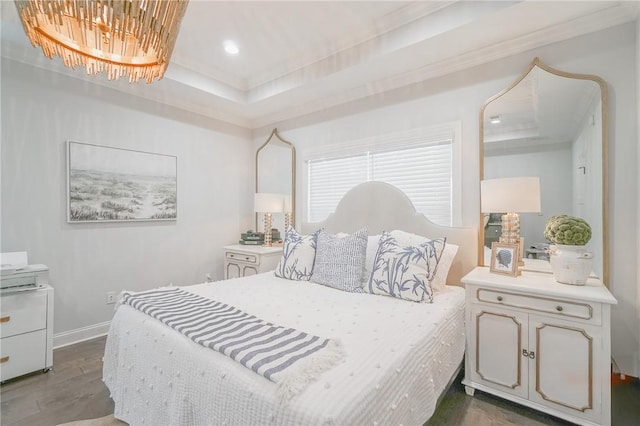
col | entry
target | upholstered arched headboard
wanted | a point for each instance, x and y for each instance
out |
(382, 207)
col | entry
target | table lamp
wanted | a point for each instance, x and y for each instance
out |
(288, 212)
(268, 203)
(510, 196)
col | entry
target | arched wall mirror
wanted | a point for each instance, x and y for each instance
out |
(276, 173)
(551, 124)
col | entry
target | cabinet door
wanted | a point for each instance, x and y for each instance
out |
(248, 270)
(562, 374)
(497, 339)
(232, 270)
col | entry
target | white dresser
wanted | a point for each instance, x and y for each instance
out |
(26, 331)
(242, 261)
(540, 343)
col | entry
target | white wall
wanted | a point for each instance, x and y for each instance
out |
(609, 54)
(40, 111)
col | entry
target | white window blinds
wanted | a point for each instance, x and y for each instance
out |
(423, 172)
(330, 179)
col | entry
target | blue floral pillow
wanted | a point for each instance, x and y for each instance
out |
(298, 256)
(405, 272)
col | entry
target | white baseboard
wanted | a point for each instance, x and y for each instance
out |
(628, 364)
(70, 337)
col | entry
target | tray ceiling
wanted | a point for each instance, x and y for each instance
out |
(305, 57)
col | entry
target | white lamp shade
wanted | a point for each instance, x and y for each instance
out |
(510, 195)
(267, 202)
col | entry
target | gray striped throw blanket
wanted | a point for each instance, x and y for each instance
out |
(288, 357)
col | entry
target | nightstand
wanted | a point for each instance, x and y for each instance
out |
(540, 343)
(242, 261)
(26, 332)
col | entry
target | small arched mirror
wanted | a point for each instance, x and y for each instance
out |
(551, 124)
(276, 173)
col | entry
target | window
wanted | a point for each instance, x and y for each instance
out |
(419, 166)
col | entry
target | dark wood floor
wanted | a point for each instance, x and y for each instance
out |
(73, 390)
(482, 409)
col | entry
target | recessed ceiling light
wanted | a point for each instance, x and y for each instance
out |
(231, 47)
(495, 119)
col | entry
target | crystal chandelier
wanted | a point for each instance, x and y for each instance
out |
(119, 37)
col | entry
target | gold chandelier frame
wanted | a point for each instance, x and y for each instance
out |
(118, 37)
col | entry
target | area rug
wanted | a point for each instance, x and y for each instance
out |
(101, 421)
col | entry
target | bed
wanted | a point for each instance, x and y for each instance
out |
(399, 356)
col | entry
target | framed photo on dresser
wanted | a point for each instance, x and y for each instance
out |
(504, 258)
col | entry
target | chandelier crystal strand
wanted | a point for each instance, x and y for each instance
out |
(117, 37)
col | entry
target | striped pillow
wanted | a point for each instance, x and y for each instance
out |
(340, 260)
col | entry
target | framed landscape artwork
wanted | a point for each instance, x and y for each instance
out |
(107, 184)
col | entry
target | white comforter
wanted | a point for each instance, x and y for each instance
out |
(400, 357)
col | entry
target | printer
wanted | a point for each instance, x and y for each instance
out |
(17, 275)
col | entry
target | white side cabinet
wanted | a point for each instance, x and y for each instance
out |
(540, 343)
(242, 261)
(26, 332)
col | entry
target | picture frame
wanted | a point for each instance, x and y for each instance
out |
(109, 184)
(504, 259)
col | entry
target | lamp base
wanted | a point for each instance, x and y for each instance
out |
(287, 221)
(267, 230)
(511, 234)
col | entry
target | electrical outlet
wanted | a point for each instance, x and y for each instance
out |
(111, 297)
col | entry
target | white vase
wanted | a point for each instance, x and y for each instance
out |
(570, 264)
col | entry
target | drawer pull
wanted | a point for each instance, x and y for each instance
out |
(5, 319)
(499, 298)
(246, 258)
(559, 308)
(4, 359)
(528, 354)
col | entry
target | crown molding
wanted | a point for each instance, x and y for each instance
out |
(350, 42)
(597, 21)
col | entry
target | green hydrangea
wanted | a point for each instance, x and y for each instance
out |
(568, 230)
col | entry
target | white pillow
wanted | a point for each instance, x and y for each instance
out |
(298, 256)
(405, 271)
(444, 264)
(440, 279)
(372, 248)
(340, 260)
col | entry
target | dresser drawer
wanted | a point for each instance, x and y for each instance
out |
(242, 257)
(559, 307)
(22, 312)
(22, 354)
